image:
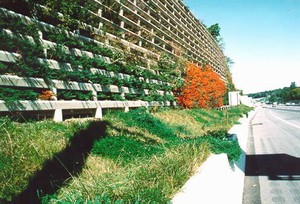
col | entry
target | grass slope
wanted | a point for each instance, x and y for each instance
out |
(124, 158)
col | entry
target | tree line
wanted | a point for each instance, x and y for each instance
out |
(281, 95)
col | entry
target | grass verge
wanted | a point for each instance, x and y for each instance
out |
(143, 157)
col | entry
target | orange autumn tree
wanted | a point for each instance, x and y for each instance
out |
(203, 88)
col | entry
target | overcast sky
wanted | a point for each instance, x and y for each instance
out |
(262, 37)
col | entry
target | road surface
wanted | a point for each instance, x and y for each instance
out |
(273, 157)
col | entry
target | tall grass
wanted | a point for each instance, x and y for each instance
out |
(156, 178)
(24, 148)
(143, 158)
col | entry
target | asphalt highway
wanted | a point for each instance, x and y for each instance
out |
(272, 172)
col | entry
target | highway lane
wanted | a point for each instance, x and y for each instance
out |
(287, 114)
(273, 157)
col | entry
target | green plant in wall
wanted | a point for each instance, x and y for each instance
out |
(117, 81)
(74, 94)
(68, 13)
(133, 97)
(97, 49)
(171, 65)
(111, 10)
(83, 62)
(29, 49)
(2, 67)
(13, 94)
(64, 52)
(168, 97)
(166, 62)
(59, 53)
(109, 96)
(20, 42)
(15, 25)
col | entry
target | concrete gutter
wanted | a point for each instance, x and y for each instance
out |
(217, 180)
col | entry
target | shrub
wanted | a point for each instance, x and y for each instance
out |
(202, 88)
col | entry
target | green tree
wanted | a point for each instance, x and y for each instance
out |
(215, 31)
(293, 85)
(229, 61)
(295, 94)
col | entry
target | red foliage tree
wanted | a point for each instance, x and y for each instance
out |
(202, 88)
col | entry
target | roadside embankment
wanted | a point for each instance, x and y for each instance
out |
(217, 180)
(140, 156)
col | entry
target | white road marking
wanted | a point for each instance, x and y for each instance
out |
(287, 122)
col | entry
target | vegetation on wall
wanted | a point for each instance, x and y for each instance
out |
(32, 48)
(70, 16)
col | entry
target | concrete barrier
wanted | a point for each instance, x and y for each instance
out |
(217, 180)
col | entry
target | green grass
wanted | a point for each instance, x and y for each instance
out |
(142, 158)
(24, 147)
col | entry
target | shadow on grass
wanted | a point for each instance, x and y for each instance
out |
(64, 165)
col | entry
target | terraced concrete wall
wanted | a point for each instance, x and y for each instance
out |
(161, 26)
(83, 62)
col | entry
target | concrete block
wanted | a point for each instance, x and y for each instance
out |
(58, 116)
(98, 113)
